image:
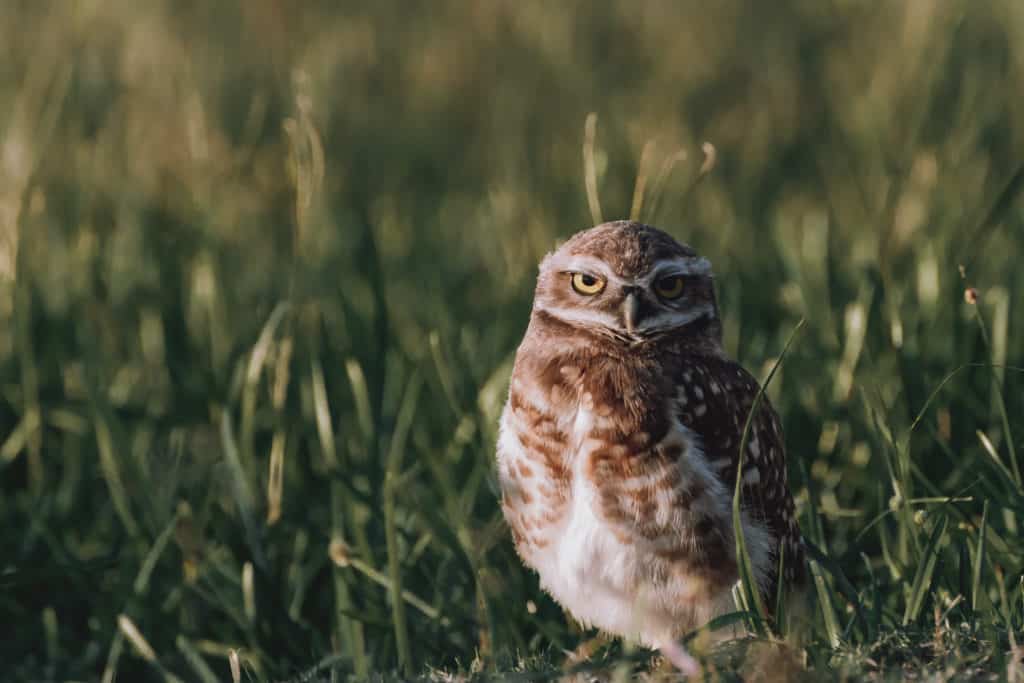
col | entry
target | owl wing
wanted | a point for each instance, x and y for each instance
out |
(714, 398)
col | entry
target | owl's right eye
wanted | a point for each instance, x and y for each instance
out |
(586, 284)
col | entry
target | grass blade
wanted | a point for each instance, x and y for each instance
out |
(112, 473)
(149, 563)
(996, 380)
(979, 558)
(142, 647)
(361, 394)
(751, 591)
(350, 632)
(323, 417)
(990, 450)
(843, 582)
(1005, 607)
(113, 658)
(240, 488)
(403, 422)
(827, 609)
(195, 660)
(254, 370)
(780, 592)
(590, 167)
(444, 371)
(925, 568)
(640, 185)
(718, 623)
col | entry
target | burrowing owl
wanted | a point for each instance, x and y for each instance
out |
(619, 443)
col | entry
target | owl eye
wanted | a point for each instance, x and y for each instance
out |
(585, 284)
(670, 287)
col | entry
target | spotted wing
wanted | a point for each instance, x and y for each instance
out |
(714, 398)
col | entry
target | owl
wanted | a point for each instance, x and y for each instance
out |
(618, 447)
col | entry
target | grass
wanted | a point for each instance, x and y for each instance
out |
(263, 270)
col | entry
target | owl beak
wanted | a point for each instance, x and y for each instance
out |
(631, 311)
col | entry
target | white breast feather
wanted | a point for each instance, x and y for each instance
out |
(611, 585)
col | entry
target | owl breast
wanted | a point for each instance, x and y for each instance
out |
(611, 500)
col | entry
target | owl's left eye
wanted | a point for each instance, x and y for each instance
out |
(670, 287)
(586, 284)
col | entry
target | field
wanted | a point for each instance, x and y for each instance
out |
(263, 267)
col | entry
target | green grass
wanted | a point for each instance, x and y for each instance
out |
(263, 270)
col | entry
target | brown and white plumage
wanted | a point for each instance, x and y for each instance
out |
(619, 443)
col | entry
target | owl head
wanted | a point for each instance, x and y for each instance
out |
(629, 282)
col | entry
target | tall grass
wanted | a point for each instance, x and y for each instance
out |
(263, 268)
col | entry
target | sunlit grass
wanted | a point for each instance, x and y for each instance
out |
(263, 270)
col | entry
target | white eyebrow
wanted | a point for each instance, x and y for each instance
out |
(586, 264)
(683, 265)
(580, 315)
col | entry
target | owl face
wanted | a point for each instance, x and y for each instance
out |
(628, 281)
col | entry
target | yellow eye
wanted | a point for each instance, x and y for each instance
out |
(669, 287)
(587, 285)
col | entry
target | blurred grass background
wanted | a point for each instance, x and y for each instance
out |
(263, 267)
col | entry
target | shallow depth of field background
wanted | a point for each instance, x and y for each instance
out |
(263, 268)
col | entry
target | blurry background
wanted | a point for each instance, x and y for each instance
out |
(263, 267)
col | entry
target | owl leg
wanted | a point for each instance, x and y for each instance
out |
(680, 658)
(586, 649)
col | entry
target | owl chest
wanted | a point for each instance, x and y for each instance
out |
(554, 511)
(611, 518)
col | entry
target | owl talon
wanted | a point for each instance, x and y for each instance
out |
(585, 650)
